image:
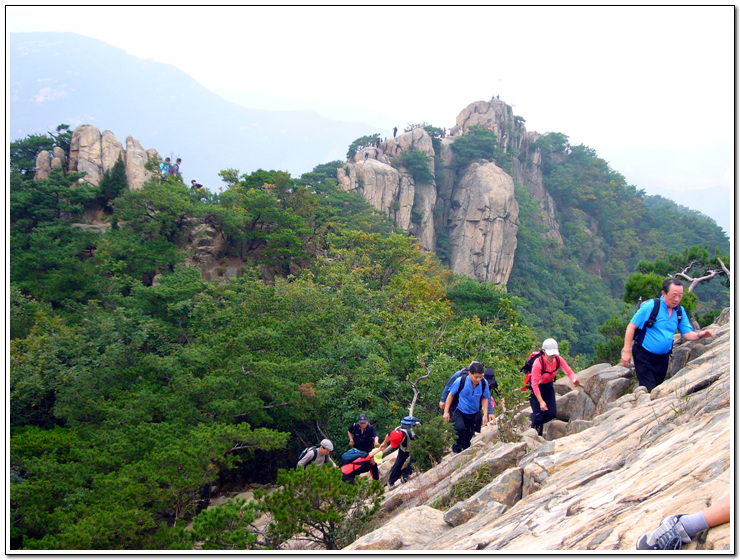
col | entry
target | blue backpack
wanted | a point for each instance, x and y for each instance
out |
(410, 422)
(352, 454)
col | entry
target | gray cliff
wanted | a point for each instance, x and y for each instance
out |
(474, 210)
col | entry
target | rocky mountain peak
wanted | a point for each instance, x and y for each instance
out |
(93, 153)
(469, 214)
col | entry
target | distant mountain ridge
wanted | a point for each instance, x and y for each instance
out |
(66, 78)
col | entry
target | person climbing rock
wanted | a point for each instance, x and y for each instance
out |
(544, 371)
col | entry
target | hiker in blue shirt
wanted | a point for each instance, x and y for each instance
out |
(488, 374)
(164, 168)
(652, 354)
(471, 412)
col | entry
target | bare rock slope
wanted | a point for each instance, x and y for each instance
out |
(621, 465)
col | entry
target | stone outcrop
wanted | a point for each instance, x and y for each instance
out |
(136, 158)
(469, 214)
(43, 165)
(93, 153)
(631, 459)
(483, 221)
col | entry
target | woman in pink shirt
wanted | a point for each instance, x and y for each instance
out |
(544, 371)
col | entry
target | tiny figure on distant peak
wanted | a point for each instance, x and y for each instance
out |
(175, 169)
(164, 168)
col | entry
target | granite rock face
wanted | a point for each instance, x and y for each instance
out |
(471, 214)
(616, 470)
(483, 222)
(93, 153)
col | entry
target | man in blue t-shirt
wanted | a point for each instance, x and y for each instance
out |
(488, 375)
(651, 357)
(472, 405)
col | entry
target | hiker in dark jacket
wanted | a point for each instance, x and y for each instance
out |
(362, 435)
(363, 465)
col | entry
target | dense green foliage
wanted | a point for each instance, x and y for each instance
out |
(607, 227)
(417, 164)
(311, 504)
(433, 440)
(314, 505)
(135, 383)
(479, 143)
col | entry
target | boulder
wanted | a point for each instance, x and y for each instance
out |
(501, 493)
(110, 149)
(85, 154)
(411, 530)
(43, 165)
(483, 222)
(136, 159)
(59, 159)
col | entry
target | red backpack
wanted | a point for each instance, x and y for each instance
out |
(527, 368)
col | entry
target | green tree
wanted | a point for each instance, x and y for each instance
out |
(360, 143)
(417, 164)
(478, 143)
(314, 505)
(432, 442)
(113, 183)
(228, 527)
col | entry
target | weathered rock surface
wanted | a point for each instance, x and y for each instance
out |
(136, 159)
(601, 484)
(483, 223)
(472, 213)
(93, 153)
(43, 165)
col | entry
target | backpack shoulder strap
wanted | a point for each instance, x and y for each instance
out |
(653, 314)
(542, 361)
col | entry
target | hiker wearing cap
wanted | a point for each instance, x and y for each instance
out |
(317, 455)
(363, 465)
(362, 435)
(399, 439)
(490, 377)
(652, 329)
(471, 412)
(544, 371)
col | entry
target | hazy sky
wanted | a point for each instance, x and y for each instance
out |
(650, 89)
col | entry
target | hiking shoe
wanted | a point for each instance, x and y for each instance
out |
(670, 535)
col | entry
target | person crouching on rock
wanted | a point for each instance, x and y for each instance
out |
(363, 465)
(544, 371)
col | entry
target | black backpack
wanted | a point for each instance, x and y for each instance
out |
(527, 368)
(640, 333)
(456, 397)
